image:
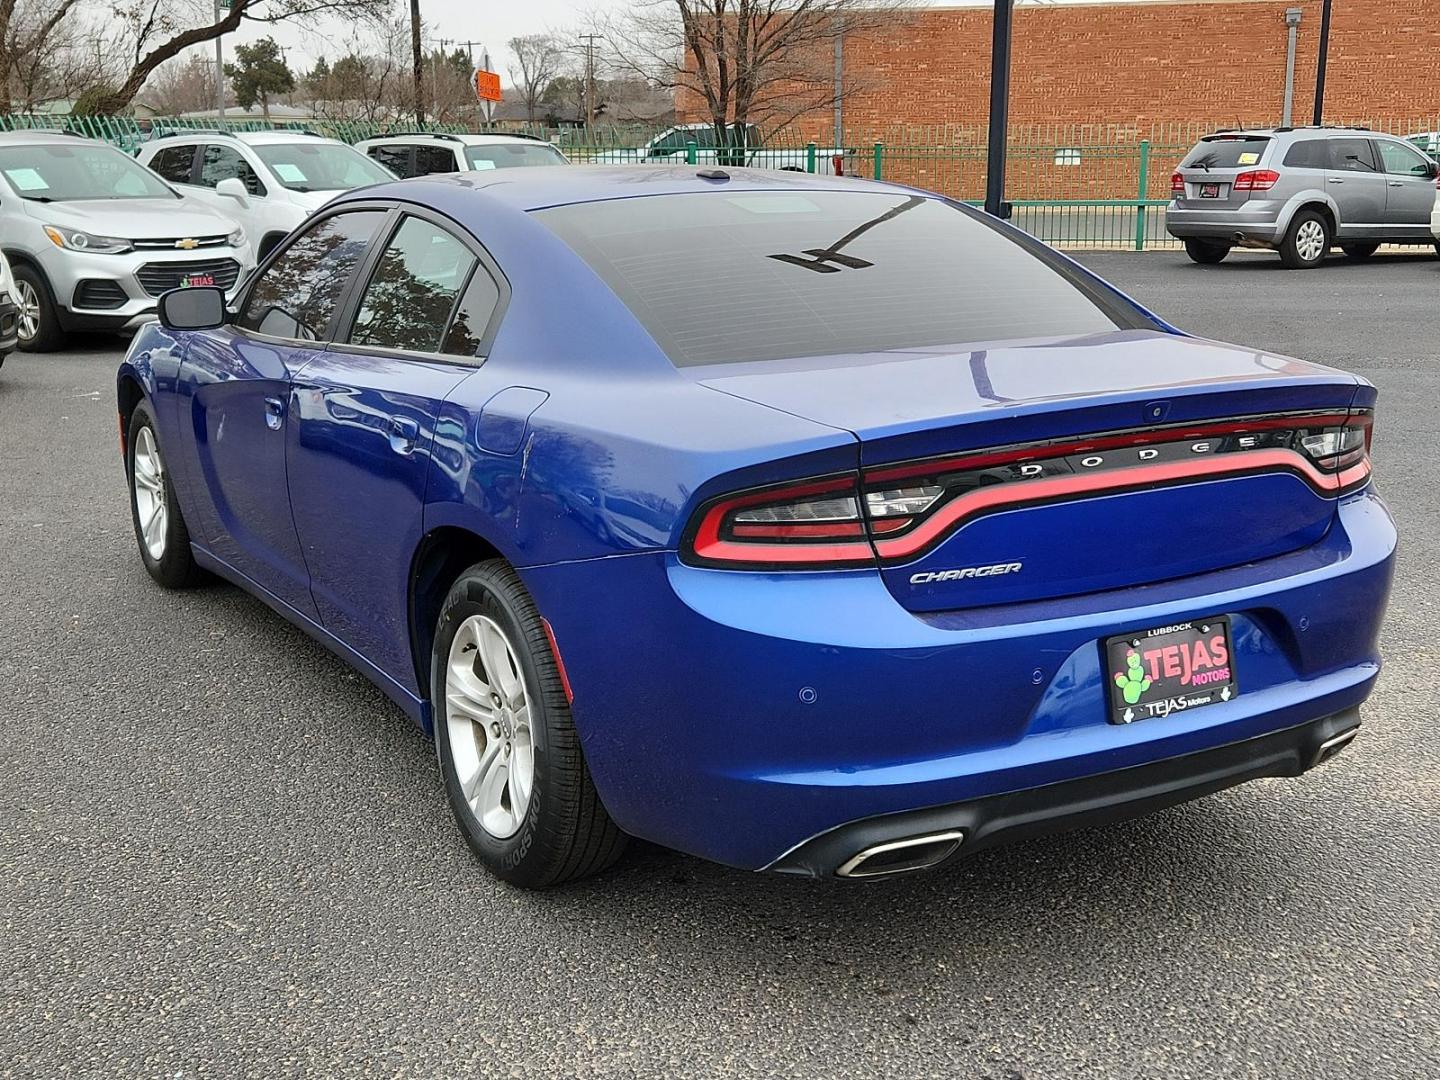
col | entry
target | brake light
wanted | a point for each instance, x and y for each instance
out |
(896, 513)
(1177, 184)
(1257, 180)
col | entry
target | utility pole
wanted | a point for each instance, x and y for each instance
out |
(995, 204)
(1292, 24)
(219, 70)
(419, 63)
(839, 82)
(589, 88)
(1320, 66)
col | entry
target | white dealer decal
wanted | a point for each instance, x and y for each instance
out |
(931, 577)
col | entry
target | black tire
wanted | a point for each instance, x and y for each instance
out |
(175, 568)
(565, 832)
(267, 245)
(1208, 252)
(1360, 251)
(1290, 253)
(49, 335)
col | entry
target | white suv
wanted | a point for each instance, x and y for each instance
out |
(266, 181)
(408, 154)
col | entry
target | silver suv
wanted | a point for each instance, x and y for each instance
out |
(94, 238)
(1301, 191)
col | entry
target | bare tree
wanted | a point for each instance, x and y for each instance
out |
(160, 30)
(538, 60)
(182, 86)
(744, 62)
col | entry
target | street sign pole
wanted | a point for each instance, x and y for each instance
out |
(995, 204)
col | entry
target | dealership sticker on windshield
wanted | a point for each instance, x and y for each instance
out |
(1170, 669)
(26, 179)
(1249, 159)
(291, 174)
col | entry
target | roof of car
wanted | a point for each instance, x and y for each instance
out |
(535, 189)
(1304, 129)
(431, 137)
(249, 138)
(35, 136)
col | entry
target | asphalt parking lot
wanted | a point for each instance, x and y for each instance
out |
(222, 853)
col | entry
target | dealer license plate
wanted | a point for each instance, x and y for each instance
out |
(1170, 669)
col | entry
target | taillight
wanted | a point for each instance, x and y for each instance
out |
(1257, 180)
(1177, 184)
(816, 522)
(895, 513)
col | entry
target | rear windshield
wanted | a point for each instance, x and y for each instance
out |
(1226, 152)
(512, 155)
(727, 278)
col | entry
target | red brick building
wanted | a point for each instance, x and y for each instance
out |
(1142, 64)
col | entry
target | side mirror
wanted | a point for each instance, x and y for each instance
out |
(199, 308)
(1433, 171)
(233, 188)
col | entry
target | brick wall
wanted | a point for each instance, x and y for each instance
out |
(1140, 65)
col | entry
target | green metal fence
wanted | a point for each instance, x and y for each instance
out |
(1099, 186)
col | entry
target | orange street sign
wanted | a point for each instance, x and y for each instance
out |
(487, 85)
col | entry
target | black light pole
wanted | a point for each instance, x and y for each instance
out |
(1320, 67)
(419, 63)
(995, 204)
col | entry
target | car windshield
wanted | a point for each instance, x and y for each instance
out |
(512, 155)
(58, 173)
(723, 278)
(319, 166)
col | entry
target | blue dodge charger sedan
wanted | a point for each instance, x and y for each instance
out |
(803, 524)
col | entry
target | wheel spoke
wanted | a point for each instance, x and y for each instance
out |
(463, 704)
(470, 786)
(499, 668)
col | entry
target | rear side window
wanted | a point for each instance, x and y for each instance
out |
(1227, 152)
(434, 159)
(721, 277)
(173, 163)
(1310, 154)
(394, 158)
(298, 293)
(1353, 155)
(411, 295)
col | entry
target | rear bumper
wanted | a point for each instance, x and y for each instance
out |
(738, 716)
(1255, 226)
(1088, 801)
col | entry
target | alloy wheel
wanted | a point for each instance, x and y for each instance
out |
(487, 721)
(1310, 240)
(148, 484)
(28, 322)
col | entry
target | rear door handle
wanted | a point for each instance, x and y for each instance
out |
(1335, 180)
(274, 413)
(1397, 183)
(403, 433)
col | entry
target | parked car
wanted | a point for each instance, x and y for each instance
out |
(1428, 141)
(826, 527)
(94, 238)
(420, 153)
(266, 181)
(1301, 191)
(673, 145)
(8, 334)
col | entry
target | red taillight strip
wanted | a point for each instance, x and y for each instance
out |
(1040, 451)
(998, 497)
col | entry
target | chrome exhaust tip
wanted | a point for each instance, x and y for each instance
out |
(901, 856)
(1333, 745)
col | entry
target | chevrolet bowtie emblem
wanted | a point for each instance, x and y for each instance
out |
(188, 244)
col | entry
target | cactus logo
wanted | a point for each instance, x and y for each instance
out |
(1132, 681)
